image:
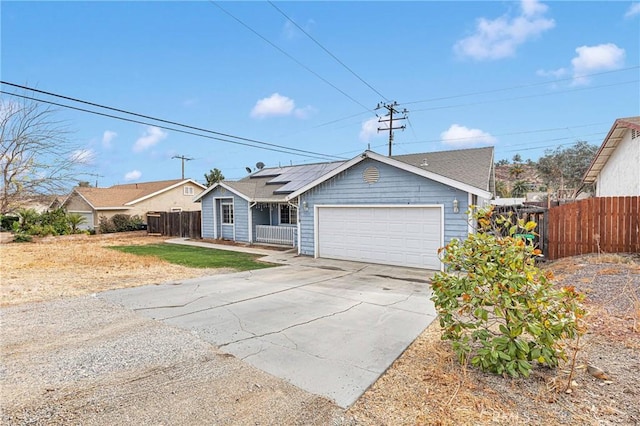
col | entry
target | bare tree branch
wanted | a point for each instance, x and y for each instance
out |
(36, 155)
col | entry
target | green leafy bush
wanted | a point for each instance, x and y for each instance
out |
(501, 312)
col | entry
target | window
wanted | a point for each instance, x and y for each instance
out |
(287, 215)
(227, 214)
(187, 190)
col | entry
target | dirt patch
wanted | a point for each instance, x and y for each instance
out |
(427, 385)
(75, 265)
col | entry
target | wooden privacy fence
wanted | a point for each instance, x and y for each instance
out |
(174, 224)
(594, 225)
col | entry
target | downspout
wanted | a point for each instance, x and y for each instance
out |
(250, 216)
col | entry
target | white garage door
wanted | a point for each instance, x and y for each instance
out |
(403, 236)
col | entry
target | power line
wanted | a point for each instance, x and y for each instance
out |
(327, 51)
(484, 92)
(152, 118)
(525, 97)
(279, 49)
(301, 153)
(523, 132)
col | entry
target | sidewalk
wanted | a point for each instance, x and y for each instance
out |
(252, 250)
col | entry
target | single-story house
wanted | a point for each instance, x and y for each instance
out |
(615, 170)
(390, 210)
(133, 199)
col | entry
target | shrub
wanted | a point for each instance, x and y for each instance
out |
(120, 223)
(106, 225)
(55, 220)
(500, 311)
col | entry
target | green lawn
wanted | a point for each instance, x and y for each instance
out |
(197, 257)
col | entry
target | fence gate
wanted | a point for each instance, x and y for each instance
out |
(175, 224)
(595, 225)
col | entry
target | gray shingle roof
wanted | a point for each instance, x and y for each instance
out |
(470, 166)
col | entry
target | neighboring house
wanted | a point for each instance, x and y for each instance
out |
(390, 210)
(615, 170)
(41, 203)
(133, 199)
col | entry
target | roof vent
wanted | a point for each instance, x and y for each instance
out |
(371, 175)
(424, 163)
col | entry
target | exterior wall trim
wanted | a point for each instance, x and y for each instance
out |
(221, 185)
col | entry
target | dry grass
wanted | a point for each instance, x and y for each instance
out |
(77, 265)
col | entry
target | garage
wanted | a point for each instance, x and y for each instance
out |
(390, 235)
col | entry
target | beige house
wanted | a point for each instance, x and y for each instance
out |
(133, 199)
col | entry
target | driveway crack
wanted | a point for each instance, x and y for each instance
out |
(293, 325)
(168, 306)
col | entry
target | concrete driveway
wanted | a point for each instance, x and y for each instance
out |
(329, 327)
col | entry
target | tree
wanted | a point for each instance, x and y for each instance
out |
(75, 220)
(516, 170)
(517, 158)
(35, 155)
(502, 190)
(564, 168)
(520, 188)
(214, 176)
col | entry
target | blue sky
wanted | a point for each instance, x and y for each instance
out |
(522, 76)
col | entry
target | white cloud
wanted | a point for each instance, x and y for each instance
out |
(592, 59)
(633, 10)
(369, 129)
(461, 136)
(500, 37)
(274, 105)
(132, 175)
(83, 156)
(304, 113)
(107, 137)
(149, 138)
(278, 105)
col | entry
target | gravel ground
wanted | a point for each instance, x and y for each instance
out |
(83, 361)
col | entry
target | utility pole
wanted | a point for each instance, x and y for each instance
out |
(183, 158)
(96, 176)
(391, 110)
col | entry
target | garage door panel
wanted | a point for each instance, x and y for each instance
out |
(406, 236)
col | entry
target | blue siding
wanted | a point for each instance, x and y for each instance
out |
(240, 213)
(394, 186)
(207, 217)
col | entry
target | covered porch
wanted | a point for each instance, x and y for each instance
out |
(275, 223)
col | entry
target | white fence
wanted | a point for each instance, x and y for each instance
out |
(285, 235)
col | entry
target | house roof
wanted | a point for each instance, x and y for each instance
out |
(121, 197)
(274, 183)
(470, 166)
(467, 169)
(609, 145)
